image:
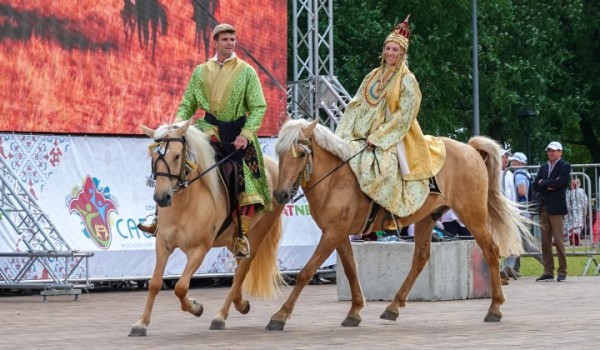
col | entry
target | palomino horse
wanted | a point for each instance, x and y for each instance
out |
(469, 182)
(190, 213)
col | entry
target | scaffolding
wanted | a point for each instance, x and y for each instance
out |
(314, 92)
(44, 248)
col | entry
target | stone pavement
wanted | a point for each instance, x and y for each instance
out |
(546, 315)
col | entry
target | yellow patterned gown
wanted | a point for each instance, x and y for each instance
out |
(395, 174)
(229, 91)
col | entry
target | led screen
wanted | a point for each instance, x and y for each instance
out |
(105, 67)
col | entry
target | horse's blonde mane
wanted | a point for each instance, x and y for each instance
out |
(200, 153)
(292, 131)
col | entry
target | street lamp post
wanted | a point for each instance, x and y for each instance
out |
(475, 69)
(527, 114)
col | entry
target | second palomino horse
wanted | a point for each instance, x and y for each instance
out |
(469, 182)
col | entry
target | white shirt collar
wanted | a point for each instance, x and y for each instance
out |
(216, 59)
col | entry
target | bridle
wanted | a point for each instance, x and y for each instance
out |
(187, 165)
(304, 175)
(186, 168)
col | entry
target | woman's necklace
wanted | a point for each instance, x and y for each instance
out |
(375, 89)
(386, 75)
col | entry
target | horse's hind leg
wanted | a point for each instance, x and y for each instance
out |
(346, 255)
(269, 222)
(154, 286)
(490, 251)
(420, 256)
(324, 249)
(234, 296)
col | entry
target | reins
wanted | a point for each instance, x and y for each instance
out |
(186, 183)
(323, 178)
(183, 181)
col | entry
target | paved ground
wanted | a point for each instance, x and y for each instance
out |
(546, 315)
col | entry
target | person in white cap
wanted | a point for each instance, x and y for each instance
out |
(551, 183)
(523, 188)
(508, 189)
(522, 177)
(508, 184)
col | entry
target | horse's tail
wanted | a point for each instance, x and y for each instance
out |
(263, 278)
(505, 222)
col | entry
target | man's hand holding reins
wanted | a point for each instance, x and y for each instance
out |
(240, 142)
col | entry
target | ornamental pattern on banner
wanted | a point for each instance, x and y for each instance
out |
(33, 158)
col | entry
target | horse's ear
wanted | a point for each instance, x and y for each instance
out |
(149, 132)
(308, 130)
(184, 127)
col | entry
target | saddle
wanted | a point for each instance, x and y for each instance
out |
(374, 208)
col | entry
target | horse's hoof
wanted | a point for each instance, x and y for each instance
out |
(389, 315)
(137, 330)
(197, 308)
(275, 325)
(246, 309)
(217, 325)
(351, 321)
(492, 317)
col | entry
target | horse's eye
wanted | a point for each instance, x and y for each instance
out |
(298, 153)
(177, 157)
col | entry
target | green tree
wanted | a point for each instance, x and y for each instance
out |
(543, 56)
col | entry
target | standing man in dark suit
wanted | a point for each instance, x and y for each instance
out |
(551, 183)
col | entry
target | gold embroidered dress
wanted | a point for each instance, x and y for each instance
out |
(384, 111)
(229, 91)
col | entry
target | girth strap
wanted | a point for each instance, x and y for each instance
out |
(368, 225)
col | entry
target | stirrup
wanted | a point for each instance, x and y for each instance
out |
(241, 247)
(390, 224)
(151, 228)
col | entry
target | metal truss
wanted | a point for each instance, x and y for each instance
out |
(45, 248)
(314, 92)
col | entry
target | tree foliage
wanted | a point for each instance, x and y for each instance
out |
(537, 56)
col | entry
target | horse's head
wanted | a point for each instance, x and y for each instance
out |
(169, 159)
(295, 159)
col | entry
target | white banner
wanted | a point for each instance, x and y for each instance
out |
(84, 183)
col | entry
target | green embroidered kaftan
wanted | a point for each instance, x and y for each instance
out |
(229, 91)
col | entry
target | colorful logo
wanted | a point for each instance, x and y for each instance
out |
(94, 205)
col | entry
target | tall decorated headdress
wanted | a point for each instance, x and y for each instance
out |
(400, 34)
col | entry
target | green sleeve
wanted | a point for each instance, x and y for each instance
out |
(189, 104)
(256, 104)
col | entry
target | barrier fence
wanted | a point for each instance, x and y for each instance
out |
(581, 232)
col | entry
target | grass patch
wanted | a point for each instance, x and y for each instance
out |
(575, 265)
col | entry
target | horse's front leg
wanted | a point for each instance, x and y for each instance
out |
(324, 249)
(420, 256)
(154, 286)
(346, 255)
(195, 256)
